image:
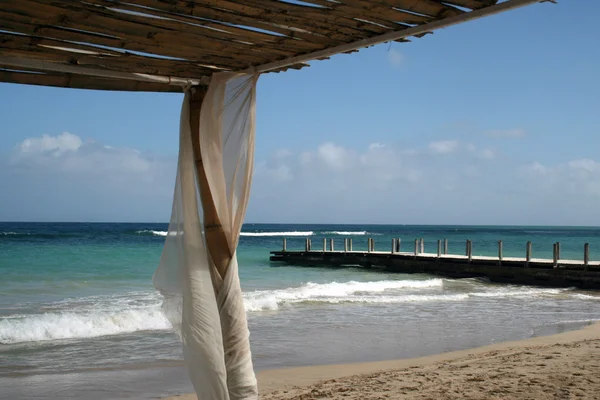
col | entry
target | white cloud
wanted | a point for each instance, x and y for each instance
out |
(54, 145)
(395, 58)
(443, 146)
(334, 155)
(508, 133)
(84, 180)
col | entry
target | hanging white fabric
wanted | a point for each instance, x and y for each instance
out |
(204, 304)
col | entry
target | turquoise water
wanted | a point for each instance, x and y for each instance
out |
(79, 316)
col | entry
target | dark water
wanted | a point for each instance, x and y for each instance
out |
(79, 317)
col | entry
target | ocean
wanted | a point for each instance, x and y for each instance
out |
(79, 317)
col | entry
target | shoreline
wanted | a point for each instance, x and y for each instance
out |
(558, 365)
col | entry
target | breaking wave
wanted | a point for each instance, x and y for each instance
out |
(294, 233)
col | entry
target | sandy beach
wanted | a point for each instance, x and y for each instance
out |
(562, 366)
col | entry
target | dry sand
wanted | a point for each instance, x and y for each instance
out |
(563, 366)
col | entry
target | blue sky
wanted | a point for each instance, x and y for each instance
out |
(494, 121)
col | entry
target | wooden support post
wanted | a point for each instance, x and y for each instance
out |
(324, 244)
(555, 255)
(309, 244)
(331, 244)
(398, 245)
(284, 244)
(469, 250)
(446, 246)
(369, 245)
(393, 246)
(499, 252)
(467, 247)
(416, 247)
(586, 255)
(216, 240)
(557, 250)
(439, 253)
(350, 243)
(372, 244)
(528, 254)
(306, 245)
(422, 245)
(345, 245)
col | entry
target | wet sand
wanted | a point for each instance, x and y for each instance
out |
(563, 366)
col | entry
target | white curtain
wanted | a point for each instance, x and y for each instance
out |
(204, 302)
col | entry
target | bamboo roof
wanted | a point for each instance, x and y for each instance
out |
(152, 45)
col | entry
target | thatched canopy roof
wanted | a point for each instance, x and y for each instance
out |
(150, 45)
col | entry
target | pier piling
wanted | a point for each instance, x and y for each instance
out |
(499, 252)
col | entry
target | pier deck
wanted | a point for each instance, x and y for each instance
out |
(519, 270)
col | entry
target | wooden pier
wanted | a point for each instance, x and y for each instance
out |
(555, 272)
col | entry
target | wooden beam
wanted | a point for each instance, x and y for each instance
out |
(81, 82)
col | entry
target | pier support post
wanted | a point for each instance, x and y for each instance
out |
(586, 255)
(309, 244)
(439, 252)
(528, 254)
(416, 247)
(555, 255)
(469, 250)
(324, 244)
(445, 246)
(284, 244)
(398, 245)
(330, 244)
(499, 252)
(345, 245)
(306, 246)
(422, 245)
(557, 250)
(393, 246)
(372, 244)
(350, 244)
(369, 245)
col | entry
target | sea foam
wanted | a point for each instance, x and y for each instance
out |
(346, 233)
(294, 233)
(345, 292)
(75, 325)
